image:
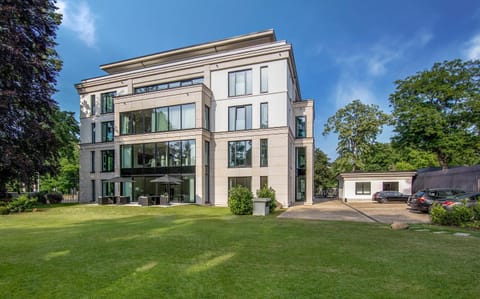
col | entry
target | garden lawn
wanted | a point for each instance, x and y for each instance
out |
(88, 251)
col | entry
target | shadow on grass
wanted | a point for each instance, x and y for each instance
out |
(97, 251)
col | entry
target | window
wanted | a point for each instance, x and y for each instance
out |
(160, 154)
(92, 105)
(245, 181)
(161, 119)
(188, 116)
(126, 156)
(108, 188)
(168, 85)
(300, 128)
(264, 115)
(300, 161)
(206, 116)
(174, 118)
(263, 181)
(240, 83)
(107, 161)
(93, 132)
(107, 131)
(390, 186)
(107, 102)
(93, 190)
(264, 79)
(263, 152)
(126, 123)
(240, 153)
(92, 160)
(240, 118)
(188, 153)
(362, 188)
(206, 158)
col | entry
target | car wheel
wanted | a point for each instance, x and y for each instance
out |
(384, 200)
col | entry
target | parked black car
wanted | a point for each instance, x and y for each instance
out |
(385, 196)
(424, 199)
(467, 199)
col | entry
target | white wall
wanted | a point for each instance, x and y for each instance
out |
(404, 186)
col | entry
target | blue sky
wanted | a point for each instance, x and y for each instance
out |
(344, 49)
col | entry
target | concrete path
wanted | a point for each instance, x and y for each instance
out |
(356, 212)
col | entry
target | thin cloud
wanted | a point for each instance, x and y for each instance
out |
(349, 89)
(79, 19)
(472, 49)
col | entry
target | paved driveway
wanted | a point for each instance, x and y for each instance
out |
(356, 212)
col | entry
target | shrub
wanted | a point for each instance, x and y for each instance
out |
(476, 212)
(457, 216)
(438, 214)
(240, 201)
(40, 197)
(54, 197)
(268, 192)
(4, 210)
(21, 204)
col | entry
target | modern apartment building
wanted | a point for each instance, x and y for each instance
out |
(211, 116)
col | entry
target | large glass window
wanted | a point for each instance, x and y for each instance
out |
(138, 122)
(126, 156)
(263, 115)
(174, 153)
(240, 83)
(263, 152)
(107, 102)
(149, 155)
(108, 161)
(161, 119)
(174, 117)
(300, 161)
(206, 158)
(126, 123)
(240, 153)
(162, 154)
(108, 188)
(92, 105)
(188, 116)
(264, 79)
(188, 152)
(245, 181)
(301, 130)
(240, 118)
(107, 131)
(362, 188)
(138, 156)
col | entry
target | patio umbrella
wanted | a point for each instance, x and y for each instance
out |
(166, 179)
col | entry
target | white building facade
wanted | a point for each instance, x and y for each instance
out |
(361, 186)
(213, 116)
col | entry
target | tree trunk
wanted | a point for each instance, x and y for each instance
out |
(442, 160)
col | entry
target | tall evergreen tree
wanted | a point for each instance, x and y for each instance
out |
(28, 69)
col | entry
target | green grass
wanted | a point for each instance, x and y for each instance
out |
(203, 252)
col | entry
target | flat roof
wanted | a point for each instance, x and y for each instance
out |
(237, 42)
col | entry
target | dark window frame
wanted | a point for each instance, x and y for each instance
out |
(106, 126)
(263, 152)
(248, 154)
(360, 188)
(107, 102)
(264, 120)
(263, 81)
(248, 120)
(107, 165)
(248, 83)
(300, 127)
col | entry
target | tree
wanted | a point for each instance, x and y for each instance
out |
(438, 111)
(28, 70)
(323, 176)
(357, 126)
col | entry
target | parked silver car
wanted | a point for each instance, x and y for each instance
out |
(467, 199)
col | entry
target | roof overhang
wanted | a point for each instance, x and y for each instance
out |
(241, 41)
